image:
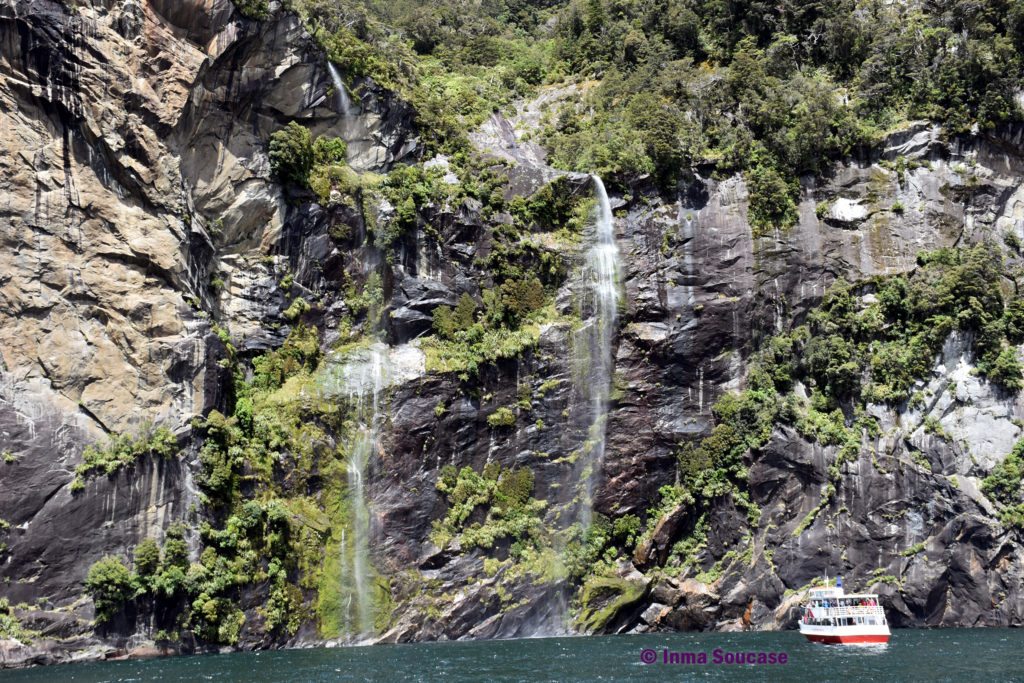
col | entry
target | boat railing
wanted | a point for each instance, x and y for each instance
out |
(842, 612)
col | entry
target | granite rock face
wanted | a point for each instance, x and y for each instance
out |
(140, 218)
(135, 173)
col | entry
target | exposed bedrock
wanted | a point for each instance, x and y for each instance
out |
(139, 219)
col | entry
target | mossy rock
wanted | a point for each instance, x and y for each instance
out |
(605, 598)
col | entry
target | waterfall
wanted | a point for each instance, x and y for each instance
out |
(344, 102)
(361, 376)
(593, 348)
(593, 363)
(363, 382)
(686, 221)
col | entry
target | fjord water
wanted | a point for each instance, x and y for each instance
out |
(960, 655)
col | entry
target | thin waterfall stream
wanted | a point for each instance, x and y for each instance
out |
(593, 348)
(593, 365)
(364, 380)
(344, 101)
(362, 377)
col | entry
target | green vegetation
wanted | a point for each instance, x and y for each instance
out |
(502, 417)
(415, 191)
(914, 549)
(686, 553)
(1004, 486)
(511, 513)
(661, 89)
(202, 596)
(163, 579)
(712, 84)
(471, 335)
(258, 539)
(110, 584)
(880, 576)
(273, 476)
(852, 351)
(10, 626)
(454, 66)
(709, 85)
(604, 597)
(368, 302)
(524, 275)
(291, 154)
(296, 309)
(468, 350)
(123, 451)
(272, 482)
(297, 159)
(771, 200)
(253, 9)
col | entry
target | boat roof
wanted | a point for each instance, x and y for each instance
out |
(845, 596)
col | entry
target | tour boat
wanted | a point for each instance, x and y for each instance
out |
(832, 616)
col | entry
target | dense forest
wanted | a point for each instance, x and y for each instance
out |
(772, 90)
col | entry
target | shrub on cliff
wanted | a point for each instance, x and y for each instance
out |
(110, 584)
(505, 494)
(253, 9)
(448, 322)
(1005, 369)
(1003, 484)
(123, 450)
(147, 558)
(291, 154)
(300, 351)
(502, 417)
(10, 626)
(329, 151)
(771, 200)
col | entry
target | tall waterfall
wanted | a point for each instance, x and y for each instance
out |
(364, 380)
(594, 361)
(344, 101)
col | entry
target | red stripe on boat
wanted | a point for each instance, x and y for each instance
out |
(838, 640)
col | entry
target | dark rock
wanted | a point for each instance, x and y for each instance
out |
(668, 528)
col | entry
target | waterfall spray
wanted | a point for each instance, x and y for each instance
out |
(593, 364)
(344, 102)
(364, 380)
(594, 344)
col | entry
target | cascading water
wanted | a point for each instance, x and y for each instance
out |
(364, 378)
(593, 347)
(593, 364)
(344, 101)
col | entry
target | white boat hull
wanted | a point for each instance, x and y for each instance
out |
(846, 635)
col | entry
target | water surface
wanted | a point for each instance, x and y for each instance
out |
(961, 655)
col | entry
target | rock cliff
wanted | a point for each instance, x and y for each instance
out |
(149, 256)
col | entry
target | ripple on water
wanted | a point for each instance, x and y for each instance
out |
(958, 655)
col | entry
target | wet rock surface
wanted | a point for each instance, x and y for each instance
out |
(139, 174)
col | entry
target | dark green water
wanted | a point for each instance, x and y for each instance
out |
(960, 655)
